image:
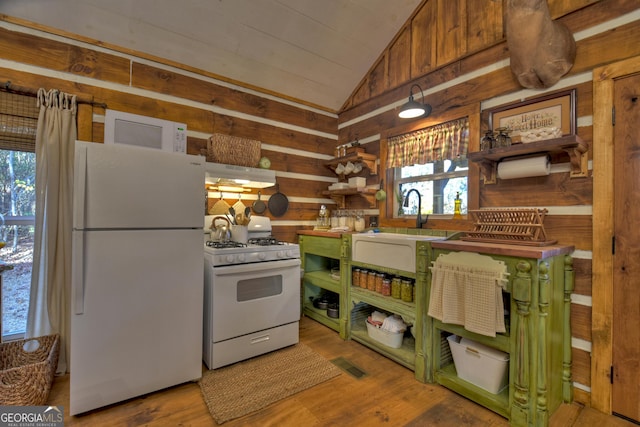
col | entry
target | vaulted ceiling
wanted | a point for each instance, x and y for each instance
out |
(316, 51)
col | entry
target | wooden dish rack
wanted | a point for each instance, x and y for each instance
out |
(511, 226)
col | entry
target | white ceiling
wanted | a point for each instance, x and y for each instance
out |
(316, 51)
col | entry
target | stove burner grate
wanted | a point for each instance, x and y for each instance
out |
(222, 245)
(264, 241)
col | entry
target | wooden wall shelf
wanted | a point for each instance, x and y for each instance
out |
(575, 147)
(339, 196)
(369, 161)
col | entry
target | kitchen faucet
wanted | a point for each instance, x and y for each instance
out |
(419, 220)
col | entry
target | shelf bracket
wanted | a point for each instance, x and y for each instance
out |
(578, 161)
(372, 165)
(488, 168)
(339, 199)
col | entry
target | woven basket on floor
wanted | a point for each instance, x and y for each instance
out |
(26, 376)
(233, 150)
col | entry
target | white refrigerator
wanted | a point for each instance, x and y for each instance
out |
(137, 281)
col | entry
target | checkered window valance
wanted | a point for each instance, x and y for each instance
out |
(445, 141)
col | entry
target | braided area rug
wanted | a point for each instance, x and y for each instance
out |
(236, 390)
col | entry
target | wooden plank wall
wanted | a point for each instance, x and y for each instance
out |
(296, 138)
(460, 61)
(454, 49)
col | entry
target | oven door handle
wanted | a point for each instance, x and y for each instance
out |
(256, 266)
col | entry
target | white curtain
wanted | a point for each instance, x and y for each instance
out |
(49, 307)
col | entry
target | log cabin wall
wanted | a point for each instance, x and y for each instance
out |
(460, 60)
(297, 138)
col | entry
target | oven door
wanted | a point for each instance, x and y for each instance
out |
(249, 298)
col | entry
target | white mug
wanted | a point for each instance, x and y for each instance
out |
(348, 168)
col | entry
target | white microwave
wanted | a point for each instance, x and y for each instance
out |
(143, 131)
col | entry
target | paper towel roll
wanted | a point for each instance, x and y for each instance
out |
(523, 168)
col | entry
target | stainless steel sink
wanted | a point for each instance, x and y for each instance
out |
(391, 250)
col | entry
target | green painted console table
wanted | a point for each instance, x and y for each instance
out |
(538, 337)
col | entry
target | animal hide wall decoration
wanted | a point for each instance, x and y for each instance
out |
(542, 50)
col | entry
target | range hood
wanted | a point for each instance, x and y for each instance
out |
(239, 177)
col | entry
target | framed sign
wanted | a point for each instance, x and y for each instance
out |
(553, 113)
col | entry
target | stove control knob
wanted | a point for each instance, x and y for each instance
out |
(241, 257)
(289, 254)
(280, 254)
(262, 256)
(229, 259)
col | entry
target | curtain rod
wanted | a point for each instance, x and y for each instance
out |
(9, 87)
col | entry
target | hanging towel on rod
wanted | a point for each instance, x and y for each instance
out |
(466, 289)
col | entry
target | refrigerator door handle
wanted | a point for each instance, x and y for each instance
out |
(79, 185)
(77, 278)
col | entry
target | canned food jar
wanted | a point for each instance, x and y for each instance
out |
(355, 277)
(371, 281)
(362, 281)
(379, 279)
(396, 288)
(386, 287)
(407, 291)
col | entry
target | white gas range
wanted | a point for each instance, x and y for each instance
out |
(252, 296)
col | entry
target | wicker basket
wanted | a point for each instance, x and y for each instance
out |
(26, 376)
(233, 150)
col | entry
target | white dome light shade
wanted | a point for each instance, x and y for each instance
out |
(413, 109)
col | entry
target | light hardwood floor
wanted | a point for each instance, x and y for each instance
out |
(389, 395)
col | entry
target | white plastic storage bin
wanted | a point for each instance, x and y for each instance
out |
(483, 366)
(390, 339)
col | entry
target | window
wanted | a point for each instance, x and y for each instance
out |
(433, 161)
(438, 182)
(18, 123)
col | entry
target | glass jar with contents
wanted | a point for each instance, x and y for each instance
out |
(359, 222)
(371, 280)
(407, 290)
(502, 138)
(355, 277)
(488, 141)
(350, 219)
(335, 220)
(396, 288)
(342, 218)
(362, 279)
(386, 287)
(379, 279)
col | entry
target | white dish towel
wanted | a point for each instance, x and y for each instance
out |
(467, 290)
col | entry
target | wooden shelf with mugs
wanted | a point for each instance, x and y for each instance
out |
(369, 161)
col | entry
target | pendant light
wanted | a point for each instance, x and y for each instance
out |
(413, 109)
